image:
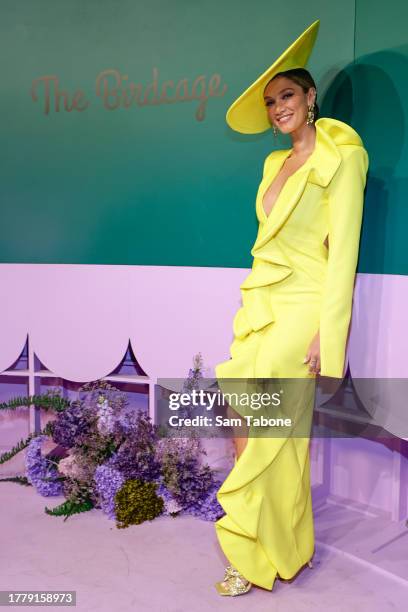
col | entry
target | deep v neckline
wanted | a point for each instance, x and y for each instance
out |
(275, 176)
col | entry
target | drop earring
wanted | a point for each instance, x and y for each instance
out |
(310, 114)
(275, 131)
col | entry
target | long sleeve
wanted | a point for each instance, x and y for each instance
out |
(345, 208)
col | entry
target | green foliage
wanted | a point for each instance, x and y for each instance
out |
(136, 502)
(16, 449)
(48, 401)
(18, 479)
(78, 491)
(69, 507)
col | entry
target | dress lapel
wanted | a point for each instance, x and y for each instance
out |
(271, 261)
(286, 202)
(318, 169)
(274, 166)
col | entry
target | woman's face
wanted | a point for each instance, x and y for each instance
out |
(287, 104)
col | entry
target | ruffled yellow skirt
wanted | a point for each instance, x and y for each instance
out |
(268, 524)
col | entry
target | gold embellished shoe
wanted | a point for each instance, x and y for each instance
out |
(233, 584)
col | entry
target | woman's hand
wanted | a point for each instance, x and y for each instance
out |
(313, 355)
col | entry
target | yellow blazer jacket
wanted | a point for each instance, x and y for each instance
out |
(324, 197)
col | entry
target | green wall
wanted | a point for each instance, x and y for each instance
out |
(159, 183)
(372, 95)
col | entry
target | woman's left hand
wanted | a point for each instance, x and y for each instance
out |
(313, 355)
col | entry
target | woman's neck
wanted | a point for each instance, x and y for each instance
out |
(303, 139)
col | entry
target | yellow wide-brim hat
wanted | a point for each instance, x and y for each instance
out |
(248, 113)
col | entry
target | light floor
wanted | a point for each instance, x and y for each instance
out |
(171, 564)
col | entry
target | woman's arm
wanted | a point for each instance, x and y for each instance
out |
(345, 202)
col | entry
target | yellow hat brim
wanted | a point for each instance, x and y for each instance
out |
(248, 113)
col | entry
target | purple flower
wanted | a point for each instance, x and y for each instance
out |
(136, 458)
(107, 482)
(207, 506)
(178, 446)
(110, 443)
(106, 418)
(127, 420)
(191, 484)
(41, 473)
(193, 481)
(74, 425)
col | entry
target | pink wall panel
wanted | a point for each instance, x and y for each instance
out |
(81, 317)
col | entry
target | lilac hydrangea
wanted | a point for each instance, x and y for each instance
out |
(136, 456)
(207, 506)
(134, 460)
(73, 426)
(41, 473)
(193, 481)
(108, 481)
(127, 420)
(191, 484)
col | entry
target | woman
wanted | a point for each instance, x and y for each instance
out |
(295, 315)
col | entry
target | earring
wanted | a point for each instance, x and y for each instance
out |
(310, 114)
(275, 131)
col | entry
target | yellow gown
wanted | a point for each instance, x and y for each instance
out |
(296, 287)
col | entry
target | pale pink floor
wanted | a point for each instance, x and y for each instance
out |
(167, 565)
